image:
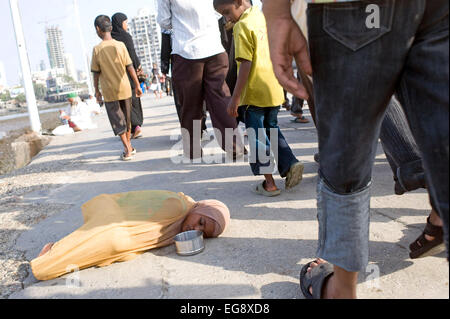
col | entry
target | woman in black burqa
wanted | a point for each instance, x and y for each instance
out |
(120, 33)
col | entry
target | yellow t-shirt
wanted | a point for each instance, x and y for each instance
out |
(252, 44)
(110, 59)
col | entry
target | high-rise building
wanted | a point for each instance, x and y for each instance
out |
(3, 82)
(42, 66)
(55, 47)
(70, 66)
(147, 38)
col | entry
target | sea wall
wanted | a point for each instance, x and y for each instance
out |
(17, 152)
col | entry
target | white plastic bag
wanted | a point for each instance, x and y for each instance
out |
(63, 130)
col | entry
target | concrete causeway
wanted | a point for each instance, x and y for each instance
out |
(261, 254)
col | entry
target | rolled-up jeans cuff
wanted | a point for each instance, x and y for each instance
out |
(344, 228)
(411, 176)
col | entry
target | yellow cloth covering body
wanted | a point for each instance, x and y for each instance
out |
(116, 228)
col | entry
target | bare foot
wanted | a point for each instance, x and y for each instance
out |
(46, 249)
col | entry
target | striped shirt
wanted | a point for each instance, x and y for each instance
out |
(194, 25)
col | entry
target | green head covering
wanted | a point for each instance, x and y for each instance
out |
(72, 95)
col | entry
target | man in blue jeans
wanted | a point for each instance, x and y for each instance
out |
(358, 66)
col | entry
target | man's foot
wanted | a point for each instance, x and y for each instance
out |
(295, 175)
(264, 190)
(324, 294)
(270, 187)
(46, 249)
(436, 221)
(126, 157)
(331, 289)
(301, 120)
(431, 241)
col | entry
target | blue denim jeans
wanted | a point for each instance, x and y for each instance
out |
(262, 126)
(356, 72)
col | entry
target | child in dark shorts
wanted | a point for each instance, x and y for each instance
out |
(110, 61)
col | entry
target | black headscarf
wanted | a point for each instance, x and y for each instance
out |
(119, 34)
(117, 21)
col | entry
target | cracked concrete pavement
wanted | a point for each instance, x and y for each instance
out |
(262, 252)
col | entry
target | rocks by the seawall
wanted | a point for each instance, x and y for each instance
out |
(17, 152)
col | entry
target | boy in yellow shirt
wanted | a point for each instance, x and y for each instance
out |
(110, 62)
(260, 95)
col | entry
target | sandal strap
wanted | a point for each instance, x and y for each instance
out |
(315, 279)
(419, 243)
(432, 230)
(320, 275)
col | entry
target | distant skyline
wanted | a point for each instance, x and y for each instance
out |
(36, 15)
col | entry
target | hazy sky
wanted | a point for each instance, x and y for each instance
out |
(36, 13)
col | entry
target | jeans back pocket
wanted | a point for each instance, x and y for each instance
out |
(357, 24)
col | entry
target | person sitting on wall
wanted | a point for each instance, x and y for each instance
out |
(77, 114)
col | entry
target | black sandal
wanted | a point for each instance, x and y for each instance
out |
(422, 245)
(315, 279)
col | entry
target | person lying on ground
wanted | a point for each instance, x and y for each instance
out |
(120, 227)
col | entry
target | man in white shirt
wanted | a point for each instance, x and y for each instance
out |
(77, 114)
(200, 67)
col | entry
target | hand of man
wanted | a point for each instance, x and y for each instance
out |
(138, 92)
(287, 43)
(99, 97)
(233, 108)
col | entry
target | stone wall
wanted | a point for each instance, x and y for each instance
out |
(17, 152)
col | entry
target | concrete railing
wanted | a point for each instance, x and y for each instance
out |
(21, 151)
